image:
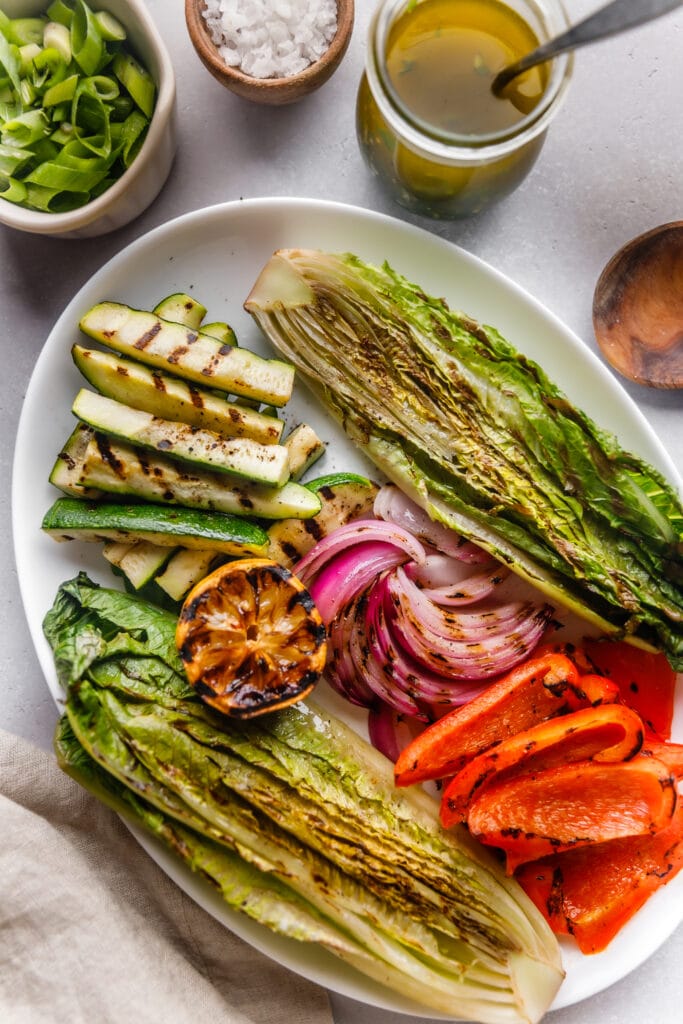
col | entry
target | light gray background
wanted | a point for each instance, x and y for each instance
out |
(611, 168)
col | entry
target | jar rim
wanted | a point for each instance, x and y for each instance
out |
(450, 147)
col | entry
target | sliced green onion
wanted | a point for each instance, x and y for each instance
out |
(25, 30)
(51, 200)
(62, 92)
(60, 113)
(9, 110)
(44, 149)
(49, 67)
(110, 28)
(27, 54)
(86, 42)
(59, 37)
(74, 106)
(90, 118)
(12, 190)
(64, 134)
(133, 132)
(61, 11)
(138, 82)
(121, 107)
(27, 92)
(104, 86)
(9, 63)
(53, 175)
(25, 129)
(12, 160)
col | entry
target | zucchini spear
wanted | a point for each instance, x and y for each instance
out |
(72, 519)
(201, 448)
(170, 398)
(188, 353)
(120, 469)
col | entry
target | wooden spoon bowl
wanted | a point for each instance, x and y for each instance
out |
(276, 91)
(638, 308)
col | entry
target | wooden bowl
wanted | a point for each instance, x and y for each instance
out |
(275, 91)
(638, 308)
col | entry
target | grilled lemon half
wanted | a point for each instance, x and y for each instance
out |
(251, 638)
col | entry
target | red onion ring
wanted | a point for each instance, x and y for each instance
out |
(414, 679)
(390, 732)
(340, 671)
(349, 573)
(454, 625)
(392, 505)
(488, 651)
(445, 581)
(362, 531)
(376, 674)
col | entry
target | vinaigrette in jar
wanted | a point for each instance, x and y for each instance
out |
(428, 122)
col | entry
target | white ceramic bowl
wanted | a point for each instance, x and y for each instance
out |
(141, 183)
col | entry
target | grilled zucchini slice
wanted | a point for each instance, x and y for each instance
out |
(241, 457)
(185, 569)
(188, 353)
(121, 469)
(171, 398)
(343, 496)
(182, 309)
(72, 519)
(304, 448)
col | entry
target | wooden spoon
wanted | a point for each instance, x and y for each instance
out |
(638, 308)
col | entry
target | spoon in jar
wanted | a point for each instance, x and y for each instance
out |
(615, 17)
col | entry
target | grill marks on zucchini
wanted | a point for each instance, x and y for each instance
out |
(191, 354)
(124, 470)
(343, 498)
(240, 457)
(163, 444)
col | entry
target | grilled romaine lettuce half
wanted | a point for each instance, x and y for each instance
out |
(481, 438)
(306, 813)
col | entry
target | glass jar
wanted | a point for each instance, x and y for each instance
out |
(455, 166)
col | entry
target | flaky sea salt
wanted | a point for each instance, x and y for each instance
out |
(271, 38)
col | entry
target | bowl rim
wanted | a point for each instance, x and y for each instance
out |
(38, 222)
(308, 75)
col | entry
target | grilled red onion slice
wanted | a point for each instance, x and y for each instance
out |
(340, 670)
(494, 642)
(352, 534)
(392, 505)
(455, 625)
(419, 682)
(376, 674)
(449, 583)
(349, 573)
(390, 731)
(403, 639)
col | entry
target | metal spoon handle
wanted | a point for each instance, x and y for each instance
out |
(608, 21)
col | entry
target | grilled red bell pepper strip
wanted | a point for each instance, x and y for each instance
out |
(598, 690)
(540, 688)
(646, 681)
(670, 754)
(592, 892)
(533, 815)
(611, 732)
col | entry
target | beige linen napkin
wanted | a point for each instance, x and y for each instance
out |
(93, 932)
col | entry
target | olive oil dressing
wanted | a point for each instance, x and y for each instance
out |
(428, 122)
